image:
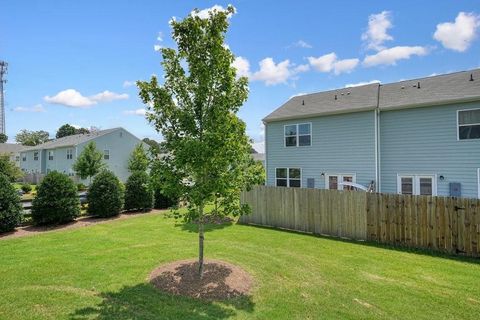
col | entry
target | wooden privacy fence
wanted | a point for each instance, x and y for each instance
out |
(438, 223)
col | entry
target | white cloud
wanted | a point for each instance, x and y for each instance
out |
(128, 83)
(73, 98)
(302, 44)
(363, 83)
(205, 13)
(460, 34)
(137, 112)
(329, 62)
(107, 96)
(301, 68)
(242, 65)
(272, 73)
(160, 37)
(390, 56)
(157, 47)
(36, 108)
(376, 34)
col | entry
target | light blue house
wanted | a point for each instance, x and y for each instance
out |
(59, 155)
(417, 136)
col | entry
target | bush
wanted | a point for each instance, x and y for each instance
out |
(105, 195)
(138, 193)
(56, 201)
(26, 187)
(11, 212)
(81, 187)
(161, 201)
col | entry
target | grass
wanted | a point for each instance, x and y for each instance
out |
(100, 272)
(27, 196)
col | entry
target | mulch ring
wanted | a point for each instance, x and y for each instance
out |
(220, 281)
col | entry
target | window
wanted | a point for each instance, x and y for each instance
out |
(24, 157)
(17, 158)
(35, 156)
(332, 181)
(424, 185)
(106, 154)
(288, 177)
(69, 154)
(298, 135)
(50, 155)
(468, 124)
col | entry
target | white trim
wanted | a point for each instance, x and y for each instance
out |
(339, 179)
(266, 152)
(458, 124)
(416, 182)
(297, 135)
(288, 176)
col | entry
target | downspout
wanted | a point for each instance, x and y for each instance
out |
(377, 143)
(266, 153)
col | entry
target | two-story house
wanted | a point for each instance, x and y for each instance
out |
(418, 136)
(59, 155)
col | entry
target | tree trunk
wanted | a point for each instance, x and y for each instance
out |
(201, 237)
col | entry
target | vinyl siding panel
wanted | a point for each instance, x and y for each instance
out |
(424, 141)
(341, 144)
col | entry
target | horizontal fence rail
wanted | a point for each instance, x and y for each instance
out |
(439, 223)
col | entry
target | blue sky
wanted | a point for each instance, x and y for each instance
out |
(74, 61)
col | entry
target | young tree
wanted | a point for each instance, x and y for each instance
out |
(9, 169)
(3, 138)
(89, 162)
(65, 130)
(207, 150)
(138, 159)
(32, 138)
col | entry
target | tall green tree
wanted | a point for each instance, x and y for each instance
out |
(65, 130)
(9, 169)
(3, 138)
(138, 159)
(32, 138)
(207, 149)
(89, 162)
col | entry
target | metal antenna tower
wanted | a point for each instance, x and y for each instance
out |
(3, 71)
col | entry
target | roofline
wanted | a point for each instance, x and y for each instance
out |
(318, 114)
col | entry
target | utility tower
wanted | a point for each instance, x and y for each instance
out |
(3, 71)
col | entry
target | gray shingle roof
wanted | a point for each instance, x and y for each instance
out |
(10, 148)
(442, 89)
(71, 140)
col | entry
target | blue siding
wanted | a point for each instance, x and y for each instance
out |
(424, 141)
(341, 144)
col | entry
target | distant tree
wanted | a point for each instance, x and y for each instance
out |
(3, 138)
(65, 130)
(89, 162)
(207, 150)
(138, 159)
(82, 131)
(31, 138)
(9, 169)
(154, 145)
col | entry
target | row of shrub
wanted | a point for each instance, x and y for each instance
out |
(57, 200)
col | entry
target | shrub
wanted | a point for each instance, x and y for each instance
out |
(56, 201)
(161, 201)
(26, 187)
(11, 212)
(138, 193)
(81, 187)
(105, 195)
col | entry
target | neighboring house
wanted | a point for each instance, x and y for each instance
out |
(259, 157)
(13, 150)
(59, 155)
(417, 136)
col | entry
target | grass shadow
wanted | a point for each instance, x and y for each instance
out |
(400, 248)
(143, 301)
(193, 227)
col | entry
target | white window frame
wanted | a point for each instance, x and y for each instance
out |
(106, 153)
(416, 182)
(297, 135)
(458, 124)
(69, 154)
(288, 176)
(51, 154)
(339, 179)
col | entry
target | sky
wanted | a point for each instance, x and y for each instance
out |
(77, 62)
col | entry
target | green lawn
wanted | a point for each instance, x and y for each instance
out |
(100, 272)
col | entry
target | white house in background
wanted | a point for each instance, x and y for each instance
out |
(13, 150)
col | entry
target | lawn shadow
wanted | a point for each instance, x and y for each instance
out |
(143, 301)
(400, 248)
(193, 227)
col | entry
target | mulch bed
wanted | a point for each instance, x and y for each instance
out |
(221, 280)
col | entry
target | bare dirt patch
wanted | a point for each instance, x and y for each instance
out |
(78, 223)
(221, 280)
